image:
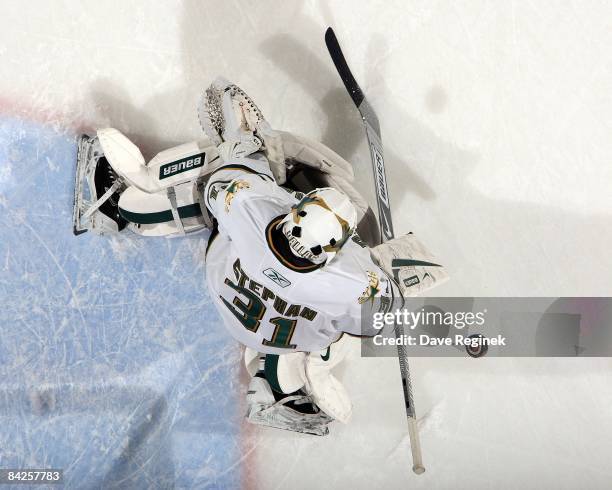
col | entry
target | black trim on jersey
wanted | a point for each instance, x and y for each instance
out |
(213, 234)
(279, 245)
(234, 166)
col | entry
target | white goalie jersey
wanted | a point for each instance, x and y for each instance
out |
(268, 303)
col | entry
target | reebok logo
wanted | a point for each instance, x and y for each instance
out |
(276, 277)
(180, 166)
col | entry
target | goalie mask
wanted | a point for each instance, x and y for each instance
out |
(319, 225)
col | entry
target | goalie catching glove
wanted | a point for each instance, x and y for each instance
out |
(412, 267)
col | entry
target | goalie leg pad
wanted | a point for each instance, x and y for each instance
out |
(286, 373)
(311, 373)
(329, 394)
(126, 159)
(251, 361)
(326, 390)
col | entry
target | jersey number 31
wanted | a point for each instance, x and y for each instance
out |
(251, 313)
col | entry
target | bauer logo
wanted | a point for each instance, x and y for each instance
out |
(180, 166)
(283, 282)
(381, 181)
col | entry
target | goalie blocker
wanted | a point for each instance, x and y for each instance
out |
(412, 267)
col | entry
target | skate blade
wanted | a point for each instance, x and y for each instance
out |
(77, 204)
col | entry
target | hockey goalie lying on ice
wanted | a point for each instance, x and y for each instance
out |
(293, 251)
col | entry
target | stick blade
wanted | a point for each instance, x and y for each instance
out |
(335, 51)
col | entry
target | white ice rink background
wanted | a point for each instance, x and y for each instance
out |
(497, 124)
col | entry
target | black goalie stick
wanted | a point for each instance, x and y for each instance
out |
(372, 127)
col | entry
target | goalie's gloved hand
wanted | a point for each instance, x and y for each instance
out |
(408, 262)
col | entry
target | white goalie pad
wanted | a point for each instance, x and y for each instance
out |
(251, 361)
(183, 163)
(315, 155)
(326, 390)
(159, 198)
(125, 158)
(286, 374)
(310, 372)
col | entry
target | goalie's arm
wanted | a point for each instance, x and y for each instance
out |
(240, 169)
(237, 193)
(370, 285)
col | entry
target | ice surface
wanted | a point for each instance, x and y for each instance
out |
(113, 364)
(496, 120)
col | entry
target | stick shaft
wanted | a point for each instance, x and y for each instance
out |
(372, 127)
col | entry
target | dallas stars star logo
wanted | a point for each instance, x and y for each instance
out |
(372, 290)
(232, 190)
